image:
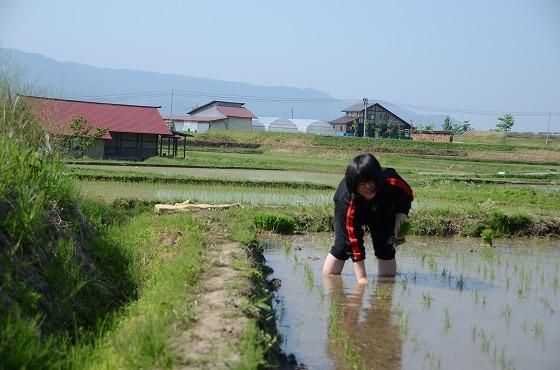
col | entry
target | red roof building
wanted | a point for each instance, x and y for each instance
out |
(132, 130)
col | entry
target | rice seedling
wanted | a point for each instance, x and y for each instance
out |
(309, 277)
(404, 285)
(460, 282)
(505, 364)
(287, 248)
(485, 340)
(296, 258)
(432, 265)
(484, 300)
(546, 304)
(423, 257)
(430, 358)
(322, 294)
(525, 326)
(443, 251)
(507, 282)
(491, 254)
(446, 320)
(476, 296)
(383, 293)
(505, 312)
(405, 228)
(403, 319)
(415, 342)
(473, 333)
(427, 300)
(486, 237)
(554, 283)
(538, 328)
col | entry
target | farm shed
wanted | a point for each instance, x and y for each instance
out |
(132, 130)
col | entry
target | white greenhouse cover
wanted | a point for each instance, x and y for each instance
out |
(306, 126)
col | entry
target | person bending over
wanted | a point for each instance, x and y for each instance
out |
(374, 197)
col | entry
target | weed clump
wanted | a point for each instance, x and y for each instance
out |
(276, 222)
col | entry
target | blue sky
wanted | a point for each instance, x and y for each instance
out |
(471, 55)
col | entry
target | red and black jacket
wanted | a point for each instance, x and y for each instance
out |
(352, 212)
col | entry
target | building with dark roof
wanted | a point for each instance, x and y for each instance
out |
(133, 131)
(381, 122)
(215, 115)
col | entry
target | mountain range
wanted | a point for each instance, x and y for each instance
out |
(179, 94)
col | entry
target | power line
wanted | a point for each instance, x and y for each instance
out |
(299, 100)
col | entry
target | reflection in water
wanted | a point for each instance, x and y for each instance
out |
(371, 332)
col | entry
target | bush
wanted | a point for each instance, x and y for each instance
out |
(515, 224)
(276, 222)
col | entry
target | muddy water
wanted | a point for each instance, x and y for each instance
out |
(453, 305)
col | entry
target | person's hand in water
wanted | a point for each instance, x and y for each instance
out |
(363, 281)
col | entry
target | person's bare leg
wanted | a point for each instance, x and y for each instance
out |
(387, 267)
(332, 265)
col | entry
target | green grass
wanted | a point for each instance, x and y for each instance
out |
(276, 222)
(166, 277)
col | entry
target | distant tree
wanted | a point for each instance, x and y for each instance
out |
(461, 128)
(418, 127)
(429, 127)
(447, 124)
(355, 127)
(505, 123)
(82, 138)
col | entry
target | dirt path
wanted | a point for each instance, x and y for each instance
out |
(209, 342)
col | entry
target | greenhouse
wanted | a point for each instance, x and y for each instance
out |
(276, 124)
(305, 126)
(257, 125)
(314, 126)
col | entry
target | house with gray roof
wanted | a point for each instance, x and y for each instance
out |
(381, 122)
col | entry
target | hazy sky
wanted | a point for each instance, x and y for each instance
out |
(498, 55)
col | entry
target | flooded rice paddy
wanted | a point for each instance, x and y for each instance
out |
(453, 305)
(225, 173)
(110, 190)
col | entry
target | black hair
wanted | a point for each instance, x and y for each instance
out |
(364, 167)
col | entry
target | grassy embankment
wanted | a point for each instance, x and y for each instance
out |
(110, 294)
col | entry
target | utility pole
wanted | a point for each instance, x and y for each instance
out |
(365, 100)
(548, 128)
(171, 115)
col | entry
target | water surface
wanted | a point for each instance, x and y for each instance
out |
(453, 305)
